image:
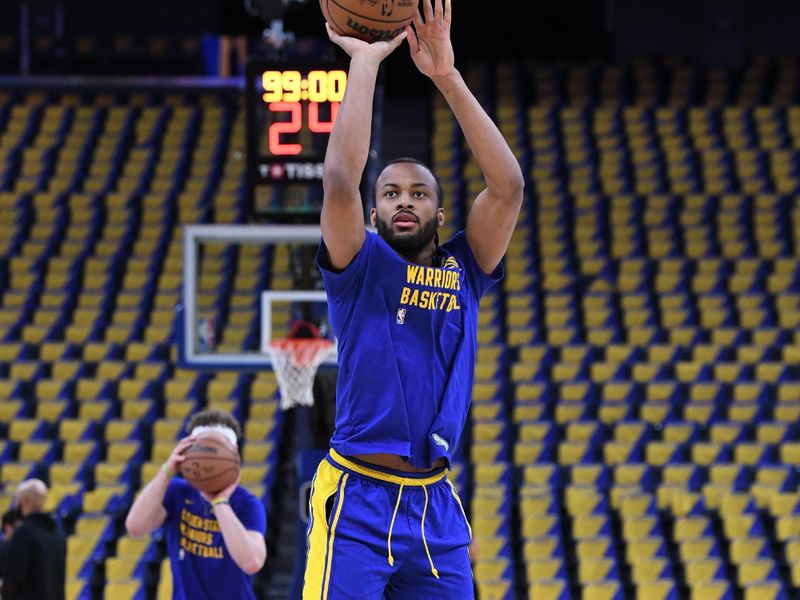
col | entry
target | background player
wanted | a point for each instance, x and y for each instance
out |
(214, 542)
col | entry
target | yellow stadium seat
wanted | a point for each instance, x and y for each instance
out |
(122, 590)
(640, 527)
(540, 548)
(119, 569)
(51, 411)
(122, 451)
(536, 526)
(787, 527)
(64, 472)
(656, 589)
(554, 589)
(540, 569)
(21, 430)
(660, 453)
(740, 526)
(594, 548)
(794, 574)
(490, 569)
(118, 430)
(176, 409)
(254, 473)
(784, 504)
(133, 410)
(601, 590)
(713, 589)
(655, 411)
(74, 588)
(750, 454)
(97, 500)
(746, 549)
(643, 549)
(107, 473)
(590, 526)
(14, 472)
(33, 452)
(77, 452)
(583, 500)
(78, 549)
(706, 453)
(764, 590)
(257, 452)
(9, 409)
(703, 570)
(687, 528)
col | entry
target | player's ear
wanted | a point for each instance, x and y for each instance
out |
(373, 215)
(440, 216)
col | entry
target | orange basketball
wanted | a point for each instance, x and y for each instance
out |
(369, 20)
(212, 463)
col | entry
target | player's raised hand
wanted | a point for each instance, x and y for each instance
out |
(177, 456)
(353, 46)
(226, 493)
(429, 39)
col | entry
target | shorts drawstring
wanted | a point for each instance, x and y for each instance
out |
(424, 541)
(422, 528)
(391, 525)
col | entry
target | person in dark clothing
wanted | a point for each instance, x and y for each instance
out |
(11, 519)
(36, 562)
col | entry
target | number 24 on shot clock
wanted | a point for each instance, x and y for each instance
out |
(302, 104)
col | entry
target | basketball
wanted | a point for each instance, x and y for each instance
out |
(212, 463)
(369, 20)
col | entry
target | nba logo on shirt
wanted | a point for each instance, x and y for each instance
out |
(401, 316)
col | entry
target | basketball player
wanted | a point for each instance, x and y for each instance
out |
(385, 521)
(215, 543)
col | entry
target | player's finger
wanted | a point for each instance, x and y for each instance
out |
(398, 39)
(438, 9)
(427, 10)
(331, 33)
(185, 443)
(448, 12)
(413, 42)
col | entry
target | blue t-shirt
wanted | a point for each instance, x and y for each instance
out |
(407, 339)
(201, 566)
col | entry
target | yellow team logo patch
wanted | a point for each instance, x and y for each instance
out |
(451, 263)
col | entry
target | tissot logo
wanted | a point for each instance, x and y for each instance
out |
(294, 171)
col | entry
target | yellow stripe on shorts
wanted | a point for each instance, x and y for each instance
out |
(327, 481)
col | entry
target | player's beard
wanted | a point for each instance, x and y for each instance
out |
(409, 245)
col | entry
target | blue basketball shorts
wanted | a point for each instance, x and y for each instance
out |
(377, 533)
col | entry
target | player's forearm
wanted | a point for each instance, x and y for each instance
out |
(147, 512)
(500, 167)
(247, 550)
(348, 145)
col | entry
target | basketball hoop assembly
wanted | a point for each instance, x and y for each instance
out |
(295, 361)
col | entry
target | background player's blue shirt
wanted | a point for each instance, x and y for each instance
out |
(407, 347)
(201, 566)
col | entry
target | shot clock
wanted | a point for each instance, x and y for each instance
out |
(291, 108)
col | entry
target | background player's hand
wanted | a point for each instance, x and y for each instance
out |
(353, 46)
(177, 457)
(226, 493)
(429, 39)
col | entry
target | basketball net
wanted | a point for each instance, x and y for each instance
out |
(295, 362)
